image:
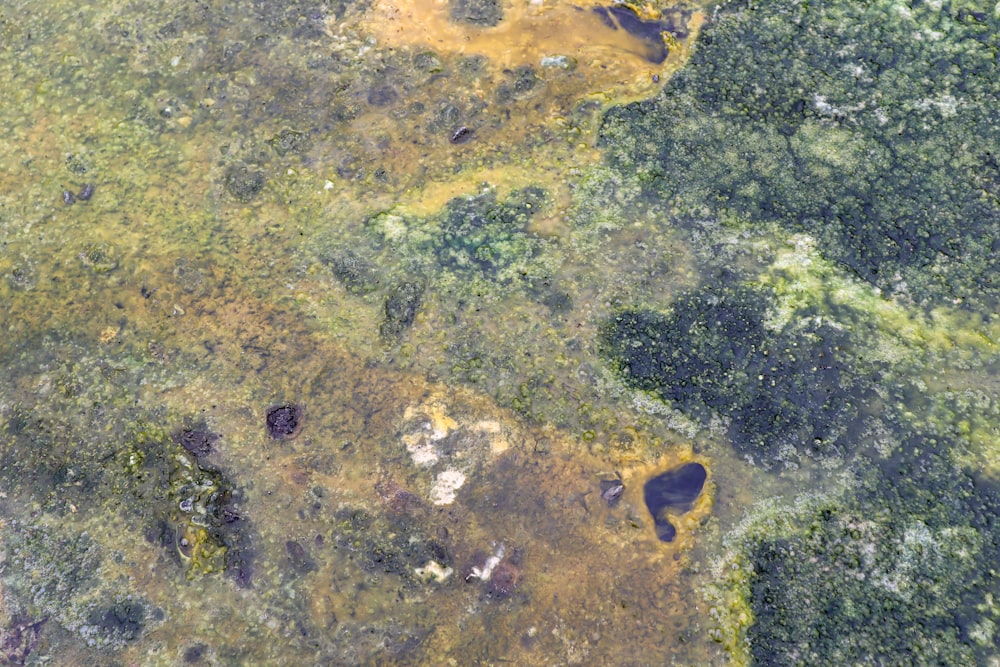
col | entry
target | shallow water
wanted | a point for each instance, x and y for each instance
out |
(400, 224)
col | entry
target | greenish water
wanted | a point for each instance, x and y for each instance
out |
(327, 325)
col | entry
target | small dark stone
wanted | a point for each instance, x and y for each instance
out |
(86, 193)
(197, 441)
(68, 197)
(612, 490)
(284, 421)
(675, 490)
(461, 135)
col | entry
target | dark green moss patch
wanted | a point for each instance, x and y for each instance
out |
(711, 354)
(901, 574)
(480, 234)
(869, 127)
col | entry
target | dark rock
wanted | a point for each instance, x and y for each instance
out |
(356, 274)
(195, 653)
(19, 640)
(461, 135)
(197, 441)
(382, 96)
(665, 530)
(123, 620)
(612, 490)
(284, 421)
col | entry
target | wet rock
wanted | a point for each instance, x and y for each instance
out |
(244, 184)
(665, 531)
(100, 257)
(194, 654)
(485, 13)
(23, 277)
(197, 441)
(611, 491)
(462, 135)
(239, 560)
(356, 274)
(675, 492)
(284, 421)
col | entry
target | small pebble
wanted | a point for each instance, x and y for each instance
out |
(461, 135)
(612, 490)
(68, 197)
(284, 421)
(86, 193)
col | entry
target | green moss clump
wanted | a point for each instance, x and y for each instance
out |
(791, 390)
(476, 239)
(900, 574)
(870, 126)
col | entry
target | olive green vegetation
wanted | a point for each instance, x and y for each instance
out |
(870, 125)
(899, 571)
(476, 239)
(786, 393)
(872, 128)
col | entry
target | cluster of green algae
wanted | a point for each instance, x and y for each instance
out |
(866, 132)
(729, 188)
